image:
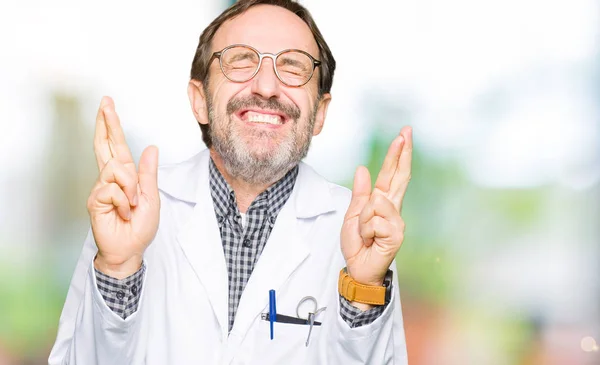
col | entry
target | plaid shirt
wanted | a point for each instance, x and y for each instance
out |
(242, 246)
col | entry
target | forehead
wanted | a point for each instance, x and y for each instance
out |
(267, 28)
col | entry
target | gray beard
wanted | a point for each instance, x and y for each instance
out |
(264, 169)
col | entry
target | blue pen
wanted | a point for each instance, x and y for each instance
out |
(272, 310)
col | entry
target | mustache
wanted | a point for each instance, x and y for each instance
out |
(235, 104)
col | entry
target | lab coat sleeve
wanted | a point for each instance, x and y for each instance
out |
(89, 332)
(380, 342)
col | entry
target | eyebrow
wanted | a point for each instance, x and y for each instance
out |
(243, 56)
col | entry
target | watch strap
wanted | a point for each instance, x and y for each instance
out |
(361, 293)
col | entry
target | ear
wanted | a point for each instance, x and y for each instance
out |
(321, 113)
(198, 101)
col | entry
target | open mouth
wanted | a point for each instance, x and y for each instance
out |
(265, 117)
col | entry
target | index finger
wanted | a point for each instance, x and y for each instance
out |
(116, 138)
(403, 171)
(390, 163)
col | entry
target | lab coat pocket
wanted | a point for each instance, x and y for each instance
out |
(289, 342)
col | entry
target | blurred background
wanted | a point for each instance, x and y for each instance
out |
(500, 263)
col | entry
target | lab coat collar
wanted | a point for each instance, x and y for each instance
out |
(181, 181)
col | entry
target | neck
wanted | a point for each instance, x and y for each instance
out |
(245, 192)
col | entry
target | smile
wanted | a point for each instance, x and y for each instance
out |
(262, 117)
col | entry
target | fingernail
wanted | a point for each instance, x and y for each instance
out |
(129, 216)
(135, 200)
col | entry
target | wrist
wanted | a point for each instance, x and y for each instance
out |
(118, 271)
(364, 306)
(371, 281)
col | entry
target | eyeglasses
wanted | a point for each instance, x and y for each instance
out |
(241, 63)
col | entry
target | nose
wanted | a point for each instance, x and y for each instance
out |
(265, 83)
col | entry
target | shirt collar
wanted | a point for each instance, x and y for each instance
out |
(270, 200)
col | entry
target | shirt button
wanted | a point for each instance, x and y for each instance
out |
(134, 289)
(220, 219)
(120, 295)
(247, 242)
(272, 219)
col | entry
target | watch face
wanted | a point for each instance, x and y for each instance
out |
(387, 282)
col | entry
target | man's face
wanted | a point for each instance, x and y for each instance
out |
(261, 128)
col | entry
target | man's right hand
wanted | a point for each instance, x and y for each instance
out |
(124, 203)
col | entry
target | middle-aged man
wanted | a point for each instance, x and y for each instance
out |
(241, 219)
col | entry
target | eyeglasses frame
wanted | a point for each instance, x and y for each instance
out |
(261, 56)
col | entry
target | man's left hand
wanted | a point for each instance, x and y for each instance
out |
(373, 229)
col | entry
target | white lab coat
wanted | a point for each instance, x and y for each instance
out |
(182, 314)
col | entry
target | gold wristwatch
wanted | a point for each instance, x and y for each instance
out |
(367, 294)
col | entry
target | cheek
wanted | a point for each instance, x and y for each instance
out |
(304, 100)
(221, 91)
(312, 90)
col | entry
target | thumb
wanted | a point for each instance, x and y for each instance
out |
(361, 192)
(148, 171)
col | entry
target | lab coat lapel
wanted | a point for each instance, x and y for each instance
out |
(201, 243)
(284, 252)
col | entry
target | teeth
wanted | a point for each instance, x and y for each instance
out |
(263, 118)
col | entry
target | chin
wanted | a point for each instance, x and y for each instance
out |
(263, 155)
(263, 149)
